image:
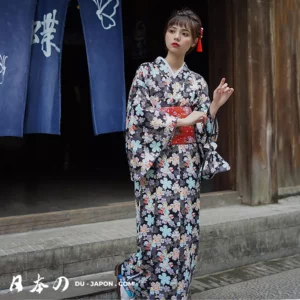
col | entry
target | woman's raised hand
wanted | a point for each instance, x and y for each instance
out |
(222, 93)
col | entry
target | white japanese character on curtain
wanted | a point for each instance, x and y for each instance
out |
(47, 34)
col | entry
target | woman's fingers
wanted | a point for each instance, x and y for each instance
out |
(199, 113)
(202, 120)
(203, 117)
(227, 90)
(195, 116)
(219, 90)
(222, 82)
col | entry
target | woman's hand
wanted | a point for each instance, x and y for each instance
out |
(220, 97)
(192, 119)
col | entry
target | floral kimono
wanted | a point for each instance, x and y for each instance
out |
(166, 180)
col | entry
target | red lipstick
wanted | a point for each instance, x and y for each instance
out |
(175, 45)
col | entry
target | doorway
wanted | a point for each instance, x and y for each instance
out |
(77, 169)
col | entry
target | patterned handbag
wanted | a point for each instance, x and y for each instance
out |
(212, 163)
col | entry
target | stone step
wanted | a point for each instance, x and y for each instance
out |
(231, 236)
(110, 208)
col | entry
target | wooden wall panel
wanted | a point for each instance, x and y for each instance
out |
(255, 101)
(255, 44)
(287, 40)
(221, 65)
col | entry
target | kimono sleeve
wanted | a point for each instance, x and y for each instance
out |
(203, 103)
(148, 130)
(212, 162)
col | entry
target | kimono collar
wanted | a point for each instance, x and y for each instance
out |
(165, 67)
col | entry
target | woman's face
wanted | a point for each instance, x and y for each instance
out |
(179, 40)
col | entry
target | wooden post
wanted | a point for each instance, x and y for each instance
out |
(288, 94)
(254, 54)
(221, 65)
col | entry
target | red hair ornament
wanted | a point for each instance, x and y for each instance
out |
(199, 46)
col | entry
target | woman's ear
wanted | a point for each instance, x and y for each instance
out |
(195, 42)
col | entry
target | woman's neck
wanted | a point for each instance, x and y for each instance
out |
(175, 62)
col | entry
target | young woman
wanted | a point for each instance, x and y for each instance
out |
(163, 146)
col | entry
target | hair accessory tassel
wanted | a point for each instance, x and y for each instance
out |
(199, 46)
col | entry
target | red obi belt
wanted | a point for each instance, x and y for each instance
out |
(185, 134)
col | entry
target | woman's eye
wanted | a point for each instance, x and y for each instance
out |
(185, 34)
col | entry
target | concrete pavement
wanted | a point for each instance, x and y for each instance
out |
(285, 285)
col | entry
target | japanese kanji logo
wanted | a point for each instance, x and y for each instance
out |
(39, 285)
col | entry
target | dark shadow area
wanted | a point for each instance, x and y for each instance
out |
(46, 173)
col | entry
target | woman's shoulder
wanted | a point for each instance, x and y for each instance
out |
(145, 66)
(200, 79)
(144, 69)
(197, 75)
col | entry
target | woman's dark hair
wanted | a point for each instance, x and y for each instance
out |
(188, 19)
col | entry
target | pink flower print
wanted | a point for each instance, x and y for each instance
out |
(176, 206)
(184, 192)
(134, 161)
(180, 286)
(144, 230)
(190, 139)
(156, 123)
(176, 235)
(187, 162)
(159, 192)
(175, 254)
(155, 287)
(157, 239)
(176, 187)
(146, 199)
(183, 240)
(174, 159)
(188, 261)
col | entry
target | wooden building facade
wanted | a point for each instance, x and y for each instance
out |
(257, 48)
(255, 44)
